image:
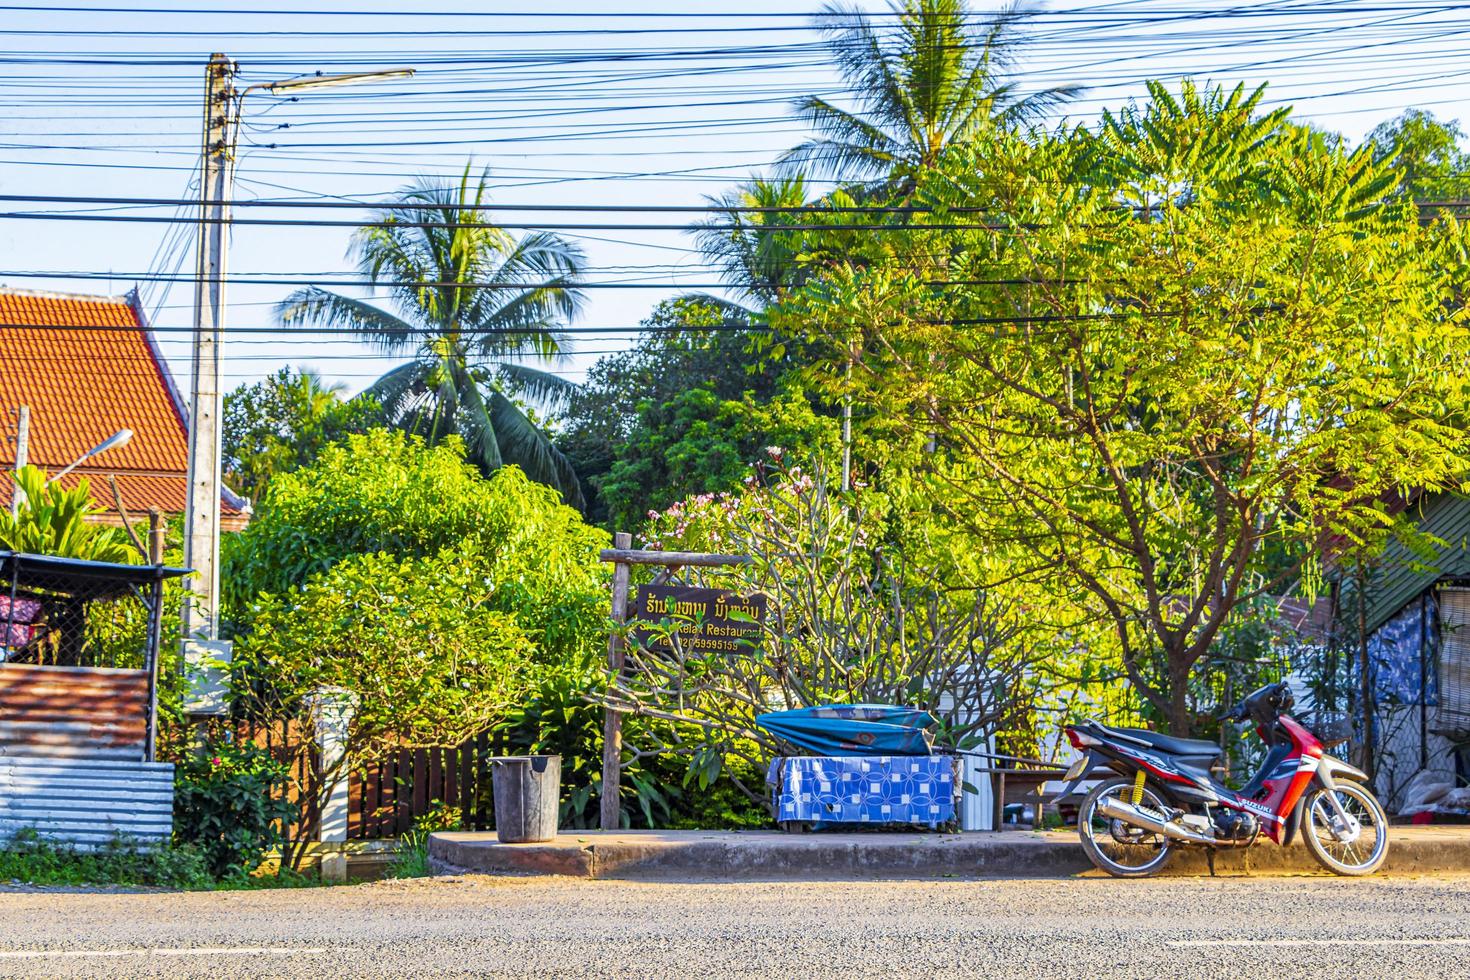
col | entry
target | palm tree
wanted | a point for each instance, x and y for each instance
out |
(471, 300)
(934, 80)
(757, 263)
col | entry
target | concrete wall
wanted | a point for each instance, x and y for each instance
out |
(86, 801)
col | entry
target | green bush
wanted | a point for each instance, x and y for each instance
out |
(388, 492)
(37, 860)
(229, 804)
(658, 791)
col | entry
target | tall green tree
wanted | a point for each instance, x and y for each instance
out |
(472, 301)
(691, 385)
(1427, 153)
(284, 421)
(1161, 414)
(939, 78)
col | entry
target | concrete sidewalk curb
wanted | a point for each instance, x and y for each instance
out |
(768, 856)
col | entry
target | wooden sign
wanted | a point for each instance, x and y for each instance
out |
(706, 620)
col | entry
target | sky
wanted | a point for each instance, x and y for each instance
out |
(578, 103)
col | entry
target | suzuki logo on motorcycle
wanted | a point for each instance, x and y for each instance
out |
(1256, 808)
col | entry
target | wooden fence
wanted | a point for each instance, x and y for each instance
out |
(386, 798)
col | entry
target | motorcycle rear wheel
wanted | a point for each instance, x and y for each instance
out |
(1120, 849)
(1368, 848)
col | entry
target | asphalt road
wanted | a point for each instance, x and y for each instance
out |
(1313, 927)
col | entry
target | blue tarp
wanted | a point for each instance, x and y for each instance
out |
(853, 729)
(1394, 652)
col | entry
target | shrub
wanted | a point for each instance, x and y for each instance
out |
(412, 860)
(414, 647)
(659, 790)
(229, 803)
(388, 492)
(36, 860)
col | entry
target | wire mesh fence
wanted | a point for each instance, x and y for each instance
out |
(60, 613)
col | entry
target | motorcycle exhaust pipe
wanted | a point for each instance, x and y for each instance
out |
(1128, 813)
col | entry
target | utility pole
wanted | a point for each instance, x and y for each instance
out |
(201, 518)
(22, 455)
(204, 653)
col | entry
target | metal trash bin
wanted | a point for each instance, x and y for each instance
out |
(527, 797)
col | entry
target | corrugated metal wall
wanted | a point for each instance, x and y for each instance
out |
(1398, 577)
(73, 712)
(86, 801)
(72, 746)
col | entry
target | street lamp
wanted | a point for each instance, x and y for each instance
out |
(115, 441)
(18, 496)
(222, 117)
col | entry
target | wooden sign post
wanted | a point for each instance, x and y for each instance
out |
(624, 556)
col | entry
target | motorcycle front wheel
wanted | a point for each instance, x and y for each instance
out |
(1353, 846)
(1121, 849)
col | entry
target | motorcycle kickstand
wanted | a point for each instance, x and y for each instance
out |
(1210, 860)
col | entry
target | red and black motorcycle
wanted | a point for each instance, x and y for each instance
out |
(1165, 795)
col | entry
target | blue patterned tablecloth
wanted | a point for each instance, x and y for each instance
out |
(865, 789)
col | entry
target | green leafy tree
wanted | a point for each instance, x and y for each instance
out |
(55, 521)
(388, 492)
(386, 651)
(698, 443)
(1427, 153)
(861, 606)
(1159, 414)
(687, 344)
(283, 422)
(933, 81)
(472, 302)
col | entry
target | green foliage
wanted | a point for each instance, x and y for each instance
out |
(412, 860)
(674, 355)
(35, 860)
(557, 717)
(1427, 153)
(284, 422)
(433, 252)
(230, 804)
(561, 716)
(865, 602)
(720, 804)
(417, 646)
(53, 521)
(385, 491)
(1158, 412)
(696, 444)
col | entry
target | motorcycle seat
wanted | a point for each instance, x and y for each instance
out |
(1187, 748)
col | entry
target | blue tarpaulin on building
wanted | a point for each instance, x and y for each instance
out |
(1394, 655)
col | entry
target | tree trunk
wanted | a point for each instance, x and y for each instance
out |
(1181, 722)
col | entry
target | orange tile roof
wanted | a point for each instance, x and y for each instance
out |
(87, 367)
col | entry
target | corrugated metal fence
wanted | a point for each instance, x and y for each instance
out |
(92, 712)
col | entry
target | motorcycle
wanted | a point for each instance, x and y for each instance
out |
(1165, 795)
